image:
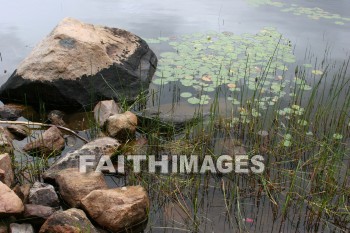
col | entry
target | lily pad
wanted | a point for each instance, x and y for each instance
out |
(194, 100)
(186, 94)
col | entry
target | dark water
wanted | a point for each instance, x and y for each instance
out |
(24, 23)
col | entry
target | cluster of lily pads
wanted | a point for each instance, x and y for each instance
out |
(314, 13)
(205, 62)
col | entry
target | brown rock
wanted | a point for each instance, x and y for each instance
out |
(2, 176)
(5, 141)
(105, 109)
(10, 203)
(50, 142)
(19, 132)
(37, 214)
(74, 185)
(11, 112)
(100, 147)
(6, 166)
(78, 64)
(69, 221)
(22, 192)
(122, 126)
(3, 228)
(56, 117)
(117, 209)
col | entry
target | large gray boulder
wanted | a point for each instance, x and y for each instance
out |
(78, 64)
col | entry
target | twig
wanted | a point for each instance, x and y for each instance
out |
(44, 125)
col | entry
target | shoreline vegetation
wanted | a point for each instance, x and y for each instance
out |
(250, 95)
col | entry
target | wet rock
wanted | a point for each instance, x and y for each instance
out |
(56, 117)
(6, 167)
(170, 115)
(122, 126)
(78, 64)
(10, 203)
(100, 147)
(72, 220)
(5, 141)
(118, 209)
(11, 112)
(74, 185)
(105, 109)
(22, 191)
(37, 214)
(43, 194)
(19, 132)
(50, 142)
(21, 228)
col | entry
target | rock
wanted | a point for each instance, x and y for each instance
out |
(11, 112)
(5, 141)
(122, 126)
(3, 228)
(71, 221)
(170, 115)
(51, 142)
(117, 209)
(2, 175)
(78, 64)
(56, 117)
(22, 192)
(21, 228)
(43, 194)
(230, 147)
(6, 166)
(100, 147)
(19, 132)
(37, 214)
(10, 203)
(105, 109)
(74, 185)
(136, 147)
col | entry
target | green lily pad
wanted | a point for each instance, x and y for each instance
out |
(317, 72)
(193, 100)
(337, 136)
(287, 143)
(186, 94)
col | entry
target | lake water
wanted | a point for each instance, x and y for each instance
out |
(313, 28)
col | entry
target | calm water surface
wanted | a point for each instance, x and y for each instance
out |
(24, 23)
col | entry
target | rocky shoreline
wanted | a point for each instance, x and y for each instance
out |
(76, 66)
(68, 200)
